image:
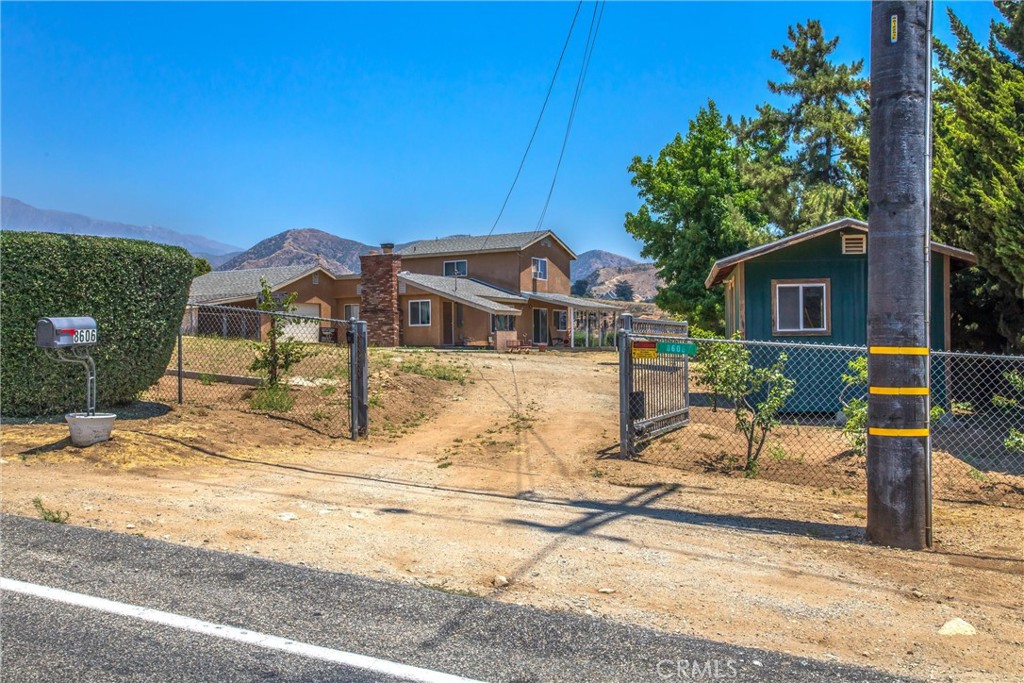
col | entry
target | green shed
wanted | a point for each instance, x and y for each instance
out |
(812, 288)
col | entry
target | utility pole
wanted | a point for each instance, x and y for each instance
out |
(899, 448)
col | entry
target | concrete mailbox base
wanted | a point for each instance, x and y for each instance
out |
(89, 429)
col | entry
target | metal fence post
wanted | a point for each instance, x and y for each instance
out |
(625, 386)
(353, 377)
(181, 392)
(364, 379)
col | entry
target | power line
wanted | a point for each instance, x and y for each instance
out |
(588, 51)
(536, 126)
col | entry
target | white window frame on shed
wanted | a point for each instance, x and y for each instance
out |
(458, 272)
(801, 286)
(539, 268)
(419, 310)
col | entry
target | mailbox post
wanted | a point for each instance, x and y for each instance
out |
(69, 340)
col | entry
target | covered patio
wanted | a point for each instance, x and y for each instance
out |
(592, 323)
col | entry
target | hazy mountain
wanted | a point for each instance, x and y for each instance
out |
(596, 259)
(643, 276)
(293, 247)
(17, 215)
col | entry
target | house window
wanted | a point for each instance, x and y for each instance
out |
(561, 320)
(351, 311)
(316, 278)
(503, 323)
(456, 268)
(419, 313)
(540, 269)
(800, 307)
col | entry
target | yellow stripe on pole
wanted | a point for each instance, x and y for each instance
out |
(899, 391)
(883, 431)
(898, 350)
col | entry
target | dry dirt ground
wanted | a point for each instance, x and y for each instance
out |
(507, 477)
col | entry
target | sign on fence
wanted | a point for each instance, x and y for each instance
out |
(645, 349)
(328, 335)
(677, 348)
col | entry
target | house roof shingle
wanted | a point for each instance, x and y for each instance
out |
(226, 285)
(573, 301)
(460, 244)
(465, 290)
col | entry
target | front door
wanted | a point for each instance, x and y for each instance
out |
(540, 326)
(447, 324)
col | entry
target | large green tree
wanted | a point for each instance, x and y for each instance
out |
(695, 209)
(978, 178)
(808, 160)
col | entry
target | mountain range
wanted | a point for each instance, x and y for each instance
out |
(601, 269)
(17, 215)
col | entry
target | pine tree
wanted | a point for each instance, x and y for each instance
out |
(810, 159)
(978, 178)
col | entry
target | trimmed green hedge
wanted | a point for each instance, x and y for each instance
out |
(135, 290)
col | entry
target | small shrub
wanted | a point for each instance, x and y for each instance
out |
(48, 515)
(446, 373)
(274, 398)
(207, 379)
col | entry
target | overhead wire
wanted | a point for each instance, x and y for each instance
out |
(536, 127)
(588, 51)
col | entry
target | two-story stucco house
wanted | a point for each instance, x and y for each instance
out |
(456, 291)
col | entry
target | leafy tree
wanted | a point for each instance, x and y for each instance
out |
(757, 394)
(278, 354)
(200, 266)
(696, 209)
(978, 178)
(624, 290)
(810, 160)
(580, 288)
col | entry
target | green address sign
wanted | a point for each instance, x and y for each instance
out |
(677, 348)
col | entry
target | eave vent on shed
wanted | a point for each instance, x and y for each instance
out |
(855, 244)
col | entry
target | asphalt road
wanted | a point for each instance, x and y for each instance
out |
(46, 640)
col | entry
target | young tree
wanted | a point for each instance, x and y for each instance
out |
(624, 290)
(278, 353)
(978, 178)
(696, 209)
(810, 159)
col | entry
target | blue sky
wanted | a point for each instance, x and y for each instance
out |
(373, 121)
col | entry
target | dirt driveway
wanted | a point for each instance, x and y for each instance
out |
(506, 478)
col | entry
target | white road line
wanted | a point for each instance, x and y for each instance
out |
(382, 666)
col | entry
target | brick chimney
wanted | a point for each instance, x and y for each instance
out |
(379, 302)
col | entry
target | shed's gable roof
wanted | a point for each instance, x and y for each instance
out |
(476, 244)
(722, 267)
(232, 285)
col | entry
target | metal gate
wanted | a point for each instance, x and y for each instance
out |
(654, 380)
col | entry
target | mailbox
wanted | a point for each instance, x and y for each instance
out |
(65, 333)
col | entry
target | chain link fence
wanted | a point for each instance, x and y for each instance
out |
(797, 413)
(293, 367)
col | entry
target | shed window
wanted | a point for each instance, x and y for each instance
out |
(540, 269)
(419, 313)
(800, 307)
(456, 268)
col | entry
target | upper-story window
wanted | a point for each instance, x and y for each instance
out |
(540, 268)
(456, 268)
